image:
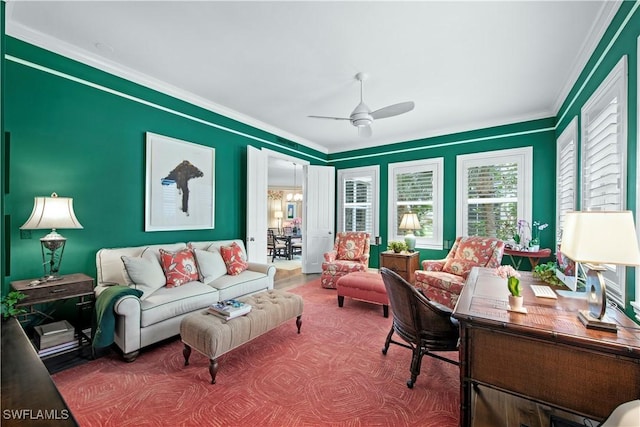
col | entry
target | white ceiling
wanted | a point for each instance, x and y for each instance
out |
(466, 65)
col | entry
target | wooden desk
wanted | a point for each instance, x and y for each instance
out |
(28, 392)
(546, 356)
(534, 257)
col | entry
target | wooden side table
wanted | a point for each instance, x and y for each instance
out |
(69, 286)
(403, 263)
(534, 257)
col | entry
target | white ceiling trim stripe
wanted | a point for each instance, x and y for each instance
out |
(446, 144)
(600, 59)
(151, 104)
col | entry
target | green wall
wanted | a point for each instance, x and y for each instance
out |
(539, 134)
(621, 38)
(72, 135)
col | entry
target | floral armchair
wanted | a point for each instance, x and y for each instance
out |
(350, 253)
(442, 280)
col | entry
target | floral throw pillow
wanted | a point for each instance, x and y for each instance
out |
(459, 267)
(179, 267)
(233, 259)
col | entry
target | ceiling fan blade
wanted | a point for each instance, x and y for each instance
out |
(393, 110)
(365, 131)
(331, 118)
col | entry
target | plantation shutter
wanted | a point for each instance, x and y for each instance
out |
(602, 160)
(414, 193)
(358, 205)
(566, 171)
(604, 130)
(492, 199)
(358, 200)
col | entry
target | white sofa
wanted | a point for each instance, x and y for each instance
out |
(156, 315)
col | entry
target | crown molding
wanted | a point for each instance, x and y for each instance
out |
(83, 56)
(608, 10)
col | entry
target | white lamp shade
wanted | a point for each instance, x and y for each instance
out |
(52, 213)
(600, 237)
(410, 222)
(278, 214)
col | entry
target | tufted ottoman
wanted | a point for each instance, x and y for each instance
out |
(363, 286)
(213, 336)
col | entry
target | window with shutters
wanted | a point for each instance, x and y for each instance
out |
(493, 192)
(604, 152)
(417, 187)
(566, 169)
(358, 200)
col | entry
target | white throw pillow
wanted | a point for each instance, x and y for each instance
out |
(210, 264)
(145, 273)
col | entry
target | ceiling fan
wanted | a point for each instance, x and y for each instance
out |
(362, 117)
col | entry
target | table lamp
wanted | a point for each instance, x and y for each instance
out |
(597, 238)
(52, 212)
(410, 222)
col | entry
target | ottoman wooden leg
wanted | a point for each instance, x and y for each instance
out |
(213, 370)
(186, 352)
(340, 300)
(299, 322)
(385, 310)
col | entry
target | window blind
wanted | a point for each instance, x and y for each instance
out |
(492, 199)
(414, 193)
(565, 185)
(358, 204)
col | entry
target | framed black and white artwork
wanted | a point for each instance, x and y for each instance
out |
(180, 184)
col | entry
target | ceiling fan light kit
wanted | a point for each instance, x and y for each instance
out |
(362, 117)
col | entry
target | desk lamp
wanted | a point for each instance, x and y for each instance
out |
(410, 222)
(52, 212)
(597, 238)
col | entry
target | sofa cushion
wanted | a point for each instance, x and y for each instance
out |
(167, 303)
(233, 259)
(179, 267)
(210, 264)
(247, 282)
(145, 273)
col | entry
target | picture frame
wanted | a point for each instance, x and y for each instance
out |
(291, 210)
(180, 184)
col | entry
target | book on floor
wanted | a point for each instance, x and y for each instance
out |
(59, 348)
(229, 309)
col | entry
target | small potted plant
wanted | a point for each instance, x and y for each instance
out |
(397, 247)
(8, 304)
(513, 284)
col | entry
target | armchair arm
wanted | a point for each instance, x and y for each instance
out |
(433, 265)
(330, 256)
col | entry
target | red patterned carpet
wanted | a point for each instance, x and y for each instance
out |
(332, 374)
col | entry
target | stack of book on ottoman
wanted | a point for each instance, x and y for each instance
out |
(228, 309)
(55, 337)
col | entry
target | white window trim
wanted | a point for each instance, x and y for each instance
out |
(523, 156)
(374, 172)
(636, 304)
(615, 81)
(568, 135)
(437, 166)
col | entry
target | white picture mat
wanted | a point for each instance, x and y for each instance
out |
(164, 203)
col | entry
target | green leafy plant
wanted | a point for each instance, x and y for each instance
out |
(547, 273)
(8, 304)
(397, 247)
(513, 279)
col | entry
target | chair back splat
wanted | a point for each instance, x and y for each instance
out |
(424, 325)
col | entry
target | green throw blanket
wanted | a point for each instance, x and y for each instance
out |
(104, 318)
